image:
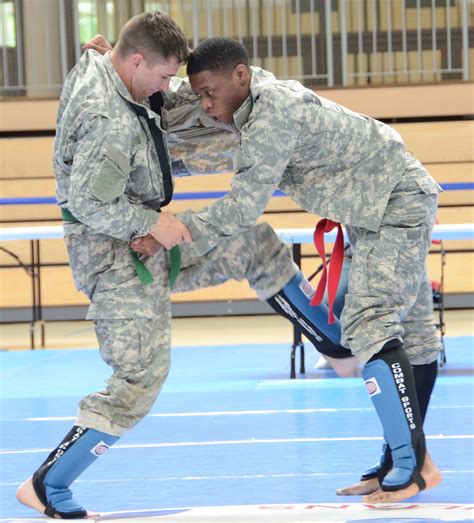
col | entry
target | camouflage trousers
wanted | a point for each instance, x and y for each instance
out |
(389, 293)
(420, 340)
(132, 321)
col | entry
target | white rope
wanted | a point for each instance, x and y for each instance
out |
(458, 231)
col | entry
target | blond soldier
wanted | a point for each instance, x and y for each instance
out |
(355, 171)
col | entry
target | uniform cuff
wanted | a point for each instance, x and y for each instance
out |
(201, 232)
(149, 219)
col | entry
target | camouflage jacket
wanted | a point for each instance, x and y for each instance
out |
(107, 170)
(331, 161)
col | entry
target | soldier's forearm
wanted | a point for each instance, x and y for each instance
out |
(121, 220)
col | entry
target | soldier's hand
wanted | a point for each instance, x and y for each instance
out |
(146, 245)
(169, 231)
(99, 44)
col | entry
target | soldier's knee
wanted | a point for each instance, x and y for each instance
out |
(137, 392)
(270, 247)
(152, 368)
(266, 233)
(150, 377)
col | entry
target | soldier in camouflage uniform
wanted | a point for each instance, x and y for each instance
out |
(113, 176)
(419, 343)
(355, 171)
(110, 186)
(202, 150)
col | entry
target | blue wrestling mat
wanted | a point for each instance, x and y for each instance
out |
(231, 438)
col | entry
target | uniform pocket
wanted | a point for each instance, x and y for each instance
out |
(89, 258)
(111, 180)
(426, 183)
(358, 283)
(126, 345)
(395, 263)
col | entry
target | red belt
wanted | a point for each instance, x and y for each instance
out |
(332, 276)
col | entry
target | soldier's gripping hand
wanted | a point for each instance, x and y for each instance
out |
(169, 231)
(146, 245)
(99, 44)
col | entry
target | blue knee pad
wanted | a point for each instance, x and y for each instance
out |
(390, 384)
(78, 450)
(293, 302)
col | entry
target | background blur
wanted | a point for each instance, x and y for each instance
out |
(409, 63)
(323, 42)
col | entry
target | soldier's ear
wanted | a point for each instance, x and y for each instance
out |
(241, 73)
(136, 59)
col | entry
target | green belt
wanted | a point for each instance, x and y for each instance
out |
(144, 275)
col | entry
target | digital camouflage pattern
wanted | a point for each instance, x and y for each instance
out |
(257, 255)
(387, 296)
(132, 321)
(206, 151)
(319, 153)
(343, 166)
(420, 337)
(109, 178)
(104, 164)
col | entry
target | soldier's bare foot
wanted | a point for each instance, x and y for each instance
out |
(26, 495)
(361, 488)
(430, 473)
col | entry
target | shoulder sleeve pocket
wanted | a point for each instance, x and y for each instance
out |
(111, 179)
(427, 184)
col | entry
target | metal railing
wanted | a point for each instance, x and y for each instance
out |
(320, 42)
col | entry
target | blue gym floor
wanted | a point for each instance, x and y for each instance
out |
(231, 429)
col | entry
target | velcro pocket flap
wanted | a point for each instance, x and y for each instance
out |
(111, 180)
(427, 184)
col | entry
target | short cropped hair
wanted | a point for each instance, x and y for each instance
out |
(217, 55)
(153, 34)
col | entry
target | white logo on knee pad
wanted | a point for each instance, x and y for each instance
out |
(372, 387)
(100, 449)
